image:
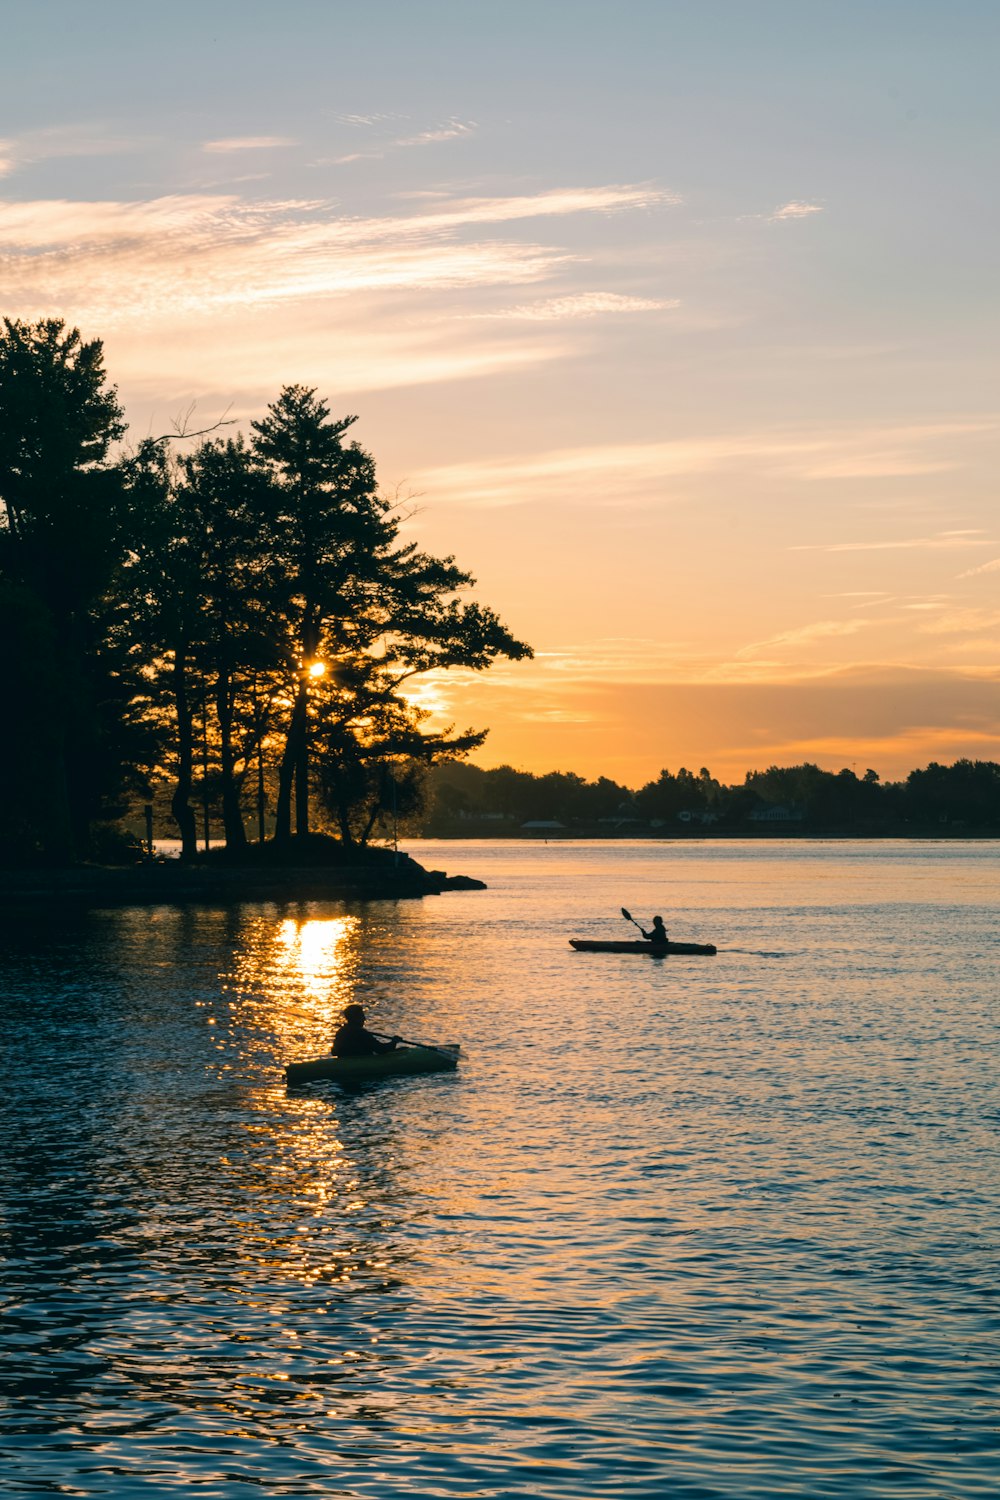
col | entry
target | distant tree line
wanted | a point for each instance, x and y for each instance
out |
(465, 799)
(239, 621)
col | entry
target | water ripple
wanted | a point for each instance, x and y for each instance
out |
(725, 1229)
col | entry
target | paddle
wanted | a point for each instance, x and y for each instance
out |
(656, 946)
(427, 1046)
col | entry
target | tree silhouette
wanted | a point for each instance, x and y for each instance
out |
(370, 611)
(64, 511)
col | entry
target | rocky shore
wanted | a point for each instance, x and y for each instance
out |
(216, 882)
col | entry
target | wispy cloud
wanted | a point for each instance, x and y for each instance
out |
(248, 143)
(794, 210)
(580, 305)
(118, 260)
(993, 566)
(805, 635)
(942, 541)
(962, 622)
(365, 120)
(452, 131)
(64, 141)
(618, 473)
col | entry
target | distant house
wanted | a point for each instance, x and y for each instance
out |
(775, 814)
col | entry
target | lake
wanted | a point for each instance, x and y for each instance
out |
(705, 1228)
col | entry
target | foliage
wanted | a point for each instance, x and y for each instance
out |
(168, 614)
(368, 610)
(965, 796)
(65, 513)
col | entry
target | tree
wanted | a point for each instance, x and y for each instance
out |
(63, 513)
(967, 791)
(224, 507)
(663, 799)
(373, 763)
(358, 607)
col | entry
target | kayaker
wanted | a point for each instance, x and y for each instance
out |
(353, 1039)
(658, 935)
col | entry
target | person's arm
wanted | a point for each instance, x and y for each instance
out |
(389, 1046)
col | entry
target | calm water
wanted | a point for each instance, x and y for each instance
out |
(682, 1227)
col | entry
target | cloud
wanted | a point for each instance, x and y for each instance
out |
(806, 635)
(214, 293)
(942, 541)
(962, 622)
(993, 566)
(449, 132)
(616, 473)
(63, 141)
(580, 305)
(248, 143)
(372, 119)
(182, 255)
(794, 210)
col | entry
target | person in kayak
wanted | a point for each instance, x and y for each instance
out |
(353, 1039)
(658, 935)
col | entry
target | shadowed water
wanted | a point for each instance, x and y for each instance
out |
(699, 1227)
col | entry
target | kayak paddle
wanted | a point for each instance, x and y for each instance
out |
(427, 1046)
(629, 918)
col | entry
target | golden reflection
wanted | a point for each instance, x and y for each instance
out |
(293, 978)
(318, 1202)
(313, 950)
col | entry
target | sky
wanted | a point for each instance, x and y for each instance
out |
(675, 321)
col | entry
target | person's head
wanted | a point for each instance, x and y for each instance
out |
(354, 1015)
(657, 921)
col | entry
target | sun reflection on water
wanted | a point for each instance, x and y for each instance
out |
(313, 950)
(312, 1202)
(292, 977)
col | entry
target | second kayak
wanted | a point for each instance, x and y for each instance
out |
(626, 945)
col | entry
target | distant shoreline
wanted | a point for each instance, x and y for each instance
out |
(765, 835)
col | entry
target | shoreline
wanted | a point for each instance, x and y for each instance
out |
(168, 882)
(775, 833)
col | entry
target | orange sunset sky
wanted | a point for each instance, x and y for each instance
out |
(674, 322)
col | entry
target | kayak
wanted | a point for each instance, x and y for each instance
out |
(589, 945)
(401, 1061)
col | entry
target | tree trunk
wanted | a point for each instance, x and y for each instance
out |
(366, 832)
(232, 817)
(302, 773)
(180, 802)
(287, 768)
